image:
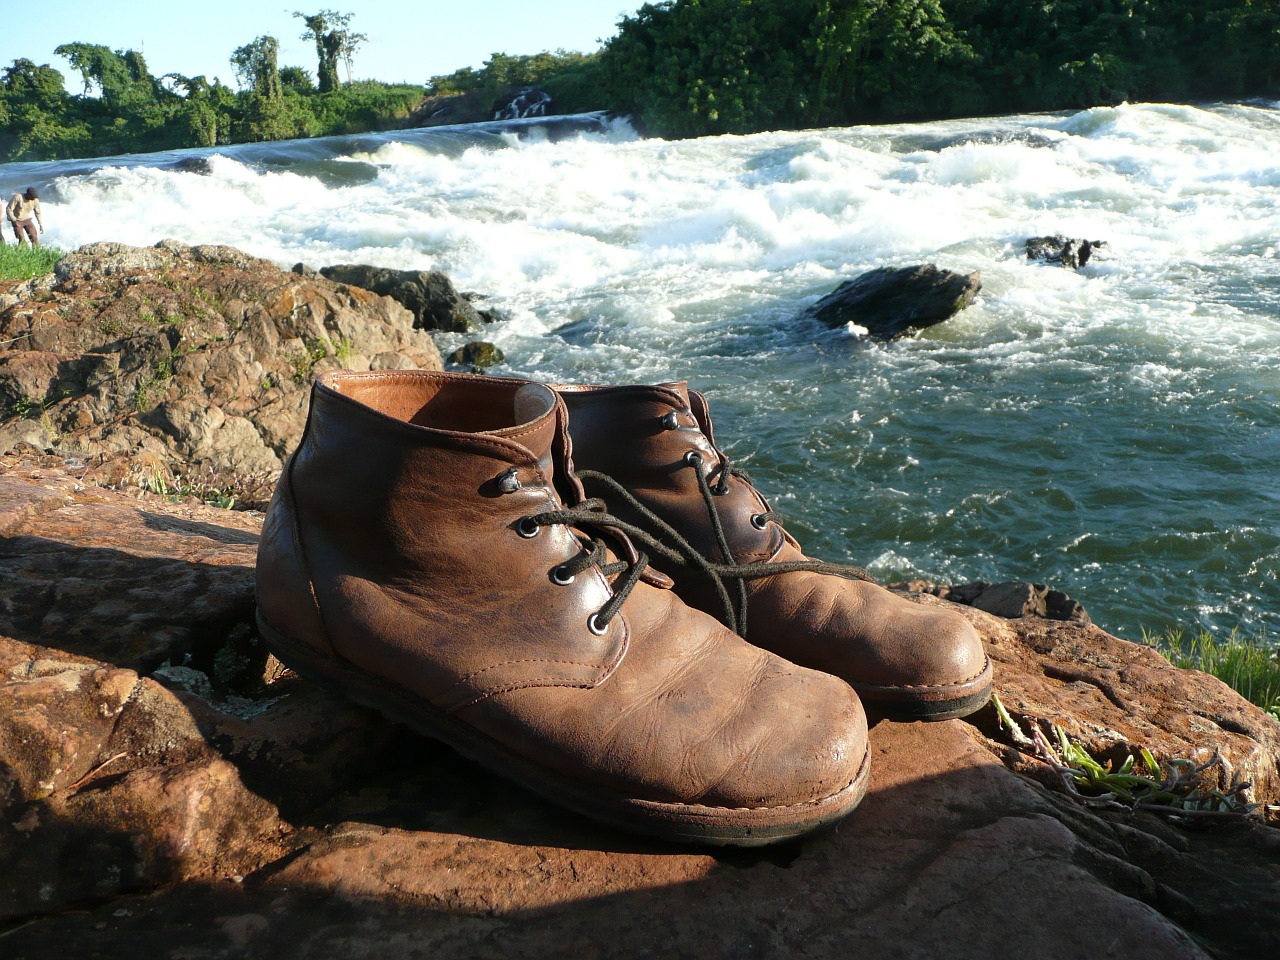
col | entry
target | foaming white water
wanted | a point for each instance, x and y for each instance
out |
(540, 222)
(1113, 427)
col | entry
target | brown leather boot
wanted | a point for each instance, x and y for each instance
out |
(651, 452)
(418, 556)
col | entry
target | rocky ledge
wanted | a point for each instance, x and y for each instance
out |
(158, 363)
(167, 787)
(163, 785)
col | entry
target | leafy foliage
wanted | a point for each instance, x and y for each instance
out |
(124, 109)
(690, 67)
(335, 40)
(502, 73)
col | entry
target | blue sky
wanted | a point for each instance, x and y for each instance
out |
(410, 41)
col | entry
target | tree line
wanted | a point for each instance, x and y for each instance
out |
(124, 109)
(695, 67)
(688, 68)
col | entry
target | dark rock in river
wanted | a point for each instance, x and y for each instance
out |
(477, 355)
(429, 294)
(1012, 599)
(527, 102)
(1066, 251)
(891, 302)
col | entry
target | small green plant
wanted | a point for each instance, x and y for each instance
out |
(1249, 667)
(344, 351)
(24, 407)
(1178, 787)
(176, 488)
(303, 363)
(24, 262)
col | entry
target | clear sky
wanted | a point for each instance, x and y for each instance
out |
(409, 40)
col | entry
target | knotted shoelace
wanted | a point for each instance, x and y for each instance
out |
(668, 543)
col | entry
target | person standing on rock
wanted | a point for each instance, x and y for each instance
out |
(24, 216)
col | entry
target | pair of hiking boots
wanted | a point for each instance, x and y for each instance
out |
(433, 552)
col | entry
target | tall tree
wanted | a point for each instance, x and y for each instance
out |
(256, 67)
(335, 40)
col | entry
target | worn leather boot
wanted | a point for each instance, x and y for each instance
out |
(419, 557)
(651, 452)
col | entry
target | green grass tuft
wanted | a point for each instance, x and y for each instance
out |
(1249, 667)
(23, 263)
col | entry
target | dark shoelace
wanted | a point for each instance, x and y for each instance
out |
(591, 513)
(666, 542)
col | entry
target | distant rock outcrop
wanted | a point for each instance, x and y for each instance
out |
(527, 102)
(891, 302)
(428, 294)
(1062, 250)
(175, 360)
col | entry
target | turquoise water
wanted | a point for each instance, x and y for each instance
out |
(1114, 432)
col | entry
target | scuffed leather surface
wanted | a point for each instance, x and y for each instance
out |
(853, 629)
(421, 578)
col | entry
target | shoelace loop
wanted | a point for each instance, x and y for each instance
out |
(666, 542)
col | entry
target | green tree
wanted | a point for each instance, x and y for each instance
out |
(334, 40)
(34, 110)
(297, 78)
(266, 116)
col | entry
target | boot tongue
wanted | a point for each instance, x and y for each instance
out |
(534, 414)
(680, 387)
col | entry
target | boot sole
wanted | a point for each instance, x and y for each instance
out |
(681, 822)
(933, 703)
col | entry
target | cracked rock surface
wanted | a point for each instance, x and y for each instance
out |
(175, 360)
(166, 792)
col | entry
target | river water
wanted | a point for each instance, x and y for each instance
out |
(1114, 432)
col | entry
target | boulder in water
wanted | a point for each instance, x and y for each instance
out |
(1012, 599)
(428, 294)
(527, 102)
(477, 355)
(1066, 251)
(890, 302)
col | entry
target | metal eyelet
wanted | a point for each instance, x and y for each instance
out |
(560, 578)
(527, 528)
(693, 458)
(593, 624)
(509, 481)
(758, 521)
(670, 421)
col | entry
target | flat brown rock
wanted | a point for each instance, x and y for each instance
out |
(255, 819)
(131, 582)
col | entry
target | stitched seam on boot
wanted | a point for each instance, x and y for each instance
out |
(927, 686)
(508, 663)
